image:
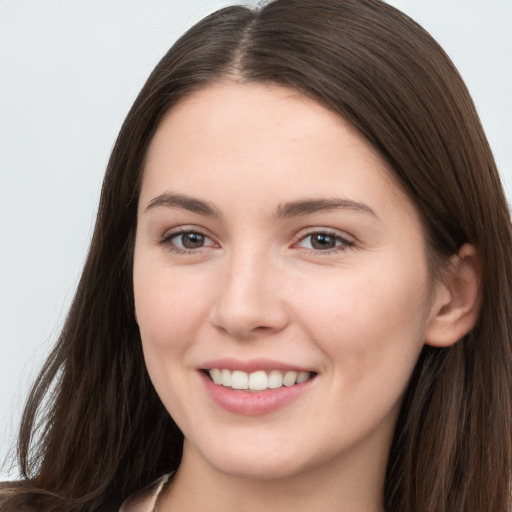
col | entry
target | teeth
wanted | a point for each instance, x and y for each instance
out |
(275, 379)
(239, 380)
(257, 381)
(216, 376)
(226, 378)
(302, 377)
(289, 378)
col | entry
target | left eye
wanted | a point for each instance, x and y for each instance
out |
(323, 241)
(190, 240)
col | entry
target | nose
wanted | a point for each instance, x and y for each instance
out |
(250, 301)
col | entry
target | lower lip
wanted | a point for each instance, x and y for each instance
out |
(253, 403)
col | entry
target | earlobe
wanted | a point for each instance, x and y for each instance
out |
(458, 299)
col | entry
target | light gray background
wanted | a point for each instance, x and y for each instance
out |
(69, 71)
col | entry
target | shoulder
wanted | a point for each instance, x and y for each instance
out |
(145, 500)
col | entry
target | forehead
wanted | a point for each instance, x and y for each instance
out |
(241, 138)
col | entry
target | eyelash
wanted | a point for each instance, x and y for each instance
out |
(344, 243)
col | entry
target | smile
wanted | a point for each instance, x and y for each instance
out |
(256, 391)
(258, 380)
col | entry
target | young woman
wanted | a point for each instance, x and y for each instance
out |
(297, 293)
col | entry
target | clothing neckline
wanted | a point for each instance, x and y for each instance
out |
(146, 499)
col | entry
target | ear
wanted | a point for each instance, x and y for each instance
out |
(458, 299)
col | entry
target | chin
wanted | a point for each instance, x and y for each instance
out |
(257, 470)
(255, 463)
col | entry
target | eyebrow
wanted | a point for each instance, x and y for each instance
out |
(308, 206)
(186, 202)
(291, 209)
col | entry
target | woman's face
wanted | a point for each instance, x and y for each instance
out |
(273, 245)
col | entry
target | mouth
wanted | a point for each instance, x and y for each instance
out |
(256, 387)
(259, 380)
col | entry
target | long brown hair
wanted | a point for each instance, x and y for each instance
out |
(94, 429)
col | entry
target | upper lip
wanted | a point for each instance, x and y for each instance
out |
(251, 365)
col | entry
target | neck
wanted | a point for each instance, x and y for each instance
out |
(340, 485)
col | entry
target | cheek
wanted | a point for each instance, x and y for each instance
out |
(169, 311)
(368, 324)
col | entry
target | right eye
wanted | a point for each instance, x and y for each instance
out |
(185, 241)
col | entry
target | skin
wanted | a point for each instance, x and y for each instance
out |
(356, 313)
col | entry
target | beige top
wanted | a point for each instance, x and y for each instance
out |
(145, 500)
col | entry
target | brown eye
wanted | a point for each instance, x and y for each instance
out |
(191, 240)
(322, 241)
(187, 241)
